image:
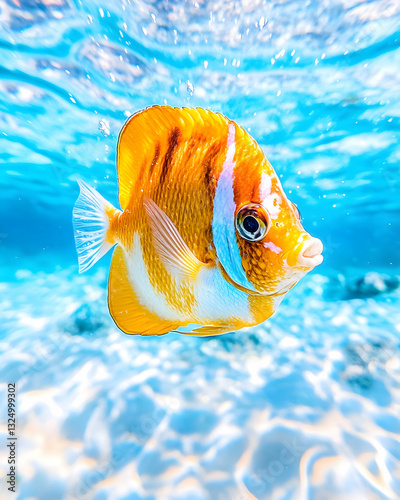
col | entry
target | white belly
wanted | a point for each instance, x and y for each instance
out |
(218, 300)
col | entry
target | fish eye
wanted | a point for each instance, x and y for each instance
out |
(297, 211)
(252, 222)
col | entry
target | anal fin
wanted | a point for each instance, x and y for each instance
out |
(209, 331)
(128, 313)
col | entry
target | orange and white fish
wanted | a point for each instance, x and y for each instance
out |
(206, 238)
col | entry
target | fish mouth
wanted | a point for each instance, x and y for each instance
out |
(307, 254)
(310, 254)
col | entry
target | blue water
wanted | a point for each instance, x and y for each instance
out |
(306, 405)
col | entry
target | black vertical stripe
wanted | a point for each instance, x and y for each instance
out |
(209, 167)
(155, 158)
(173, 140)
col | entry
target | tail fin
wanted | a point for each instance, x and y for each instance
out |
(91, 221)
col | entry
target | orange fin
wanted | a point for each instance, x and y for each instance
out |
(173, 251)
(127, 312)
(209, 331)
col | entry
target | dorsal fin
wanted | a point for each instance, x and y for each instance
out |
(148, 137)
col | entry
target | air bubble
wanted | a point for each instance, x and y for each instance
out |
(262, 22)
(189, 88)
(104, 127)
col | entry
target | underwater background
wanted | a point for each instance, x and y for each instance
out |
(305, 406)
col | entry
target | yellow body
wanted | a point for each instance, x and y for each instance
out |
(183, 174)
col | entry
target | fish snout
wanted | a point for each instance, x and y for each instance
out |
(311, 253)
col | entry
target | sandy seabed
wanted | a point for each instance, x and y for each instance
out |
(305, 406)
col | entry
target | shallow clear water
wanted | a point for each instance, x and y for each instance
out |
(305, 406)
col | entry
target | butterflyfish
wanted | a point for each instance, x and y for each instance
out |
(206, 241)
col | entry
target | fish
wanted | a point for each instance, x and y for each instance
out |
(206, 240)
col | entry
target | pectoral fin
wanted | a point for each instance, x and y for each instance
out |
(128, 313)
(173, 251)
